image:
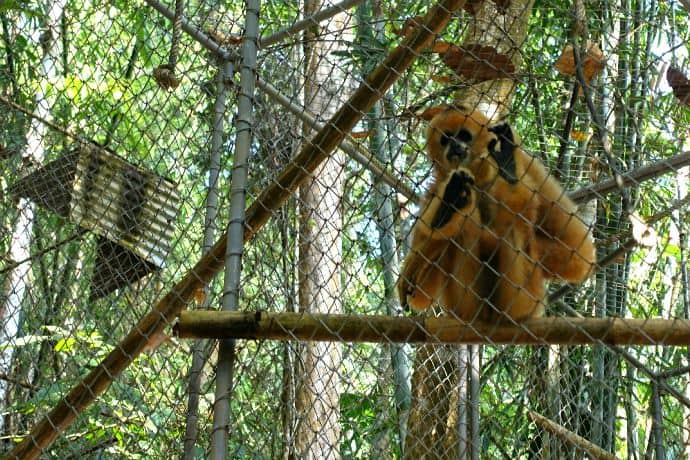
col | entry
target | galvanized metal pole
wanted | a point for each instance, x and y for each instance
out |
(199, 348)
(233, 254)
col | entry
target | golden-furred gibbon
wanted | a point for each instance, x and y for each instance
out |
(492, 227)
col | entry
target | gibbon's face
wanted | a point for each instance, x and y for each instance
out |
(457, 137)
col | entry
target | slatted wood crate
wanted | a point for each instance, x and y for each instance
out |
(132, 210)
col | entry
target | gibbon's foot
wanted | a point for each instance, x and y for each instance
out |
(456, 195)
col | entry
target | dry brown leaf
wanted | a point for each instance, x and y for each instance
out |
(579, 136)
(223, 39)
(440, 46)
(362, 134)
(593, 61)
(478, 62)
(644, 234)
(680, 84)
(442, 79)
(165, 77)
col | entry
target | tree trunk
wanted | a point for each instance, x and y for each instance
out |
(317, 396)
(201, 349)
(17, 281)
(317, 402)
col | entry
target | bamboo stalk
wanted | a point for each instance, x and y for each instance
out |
(572, 438)
(244, 121)
(419, 329)
(165, 311)
(657, 423)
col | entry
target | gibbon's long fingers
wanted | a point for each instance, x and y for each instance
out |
(457, 195)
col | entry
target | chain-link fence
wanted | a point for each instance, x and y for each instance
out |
(371, 178)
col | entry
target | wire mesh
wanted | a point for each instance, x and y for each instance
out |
(597, 93)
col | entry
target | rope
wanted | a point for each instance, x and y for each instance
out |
(164, 74)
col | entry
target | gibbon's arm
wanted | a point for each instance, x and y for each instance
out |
(447, 206)
(566, 249)
(445, 234)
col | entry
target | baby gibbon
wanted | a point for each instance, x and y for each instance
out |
(493, 226)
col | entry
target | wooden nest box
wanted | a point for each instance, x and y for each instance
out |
(132, 211)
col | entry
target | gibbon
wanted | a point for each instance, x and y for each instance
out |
(493, 226)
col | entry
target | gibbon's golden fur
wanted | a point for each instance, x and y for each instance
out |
(493, 226)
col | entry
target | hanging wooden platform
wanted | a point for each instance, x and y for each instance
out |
(132, 210)
(418, 329)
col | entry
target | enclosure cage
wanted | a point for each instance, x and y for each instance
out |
(371, 179)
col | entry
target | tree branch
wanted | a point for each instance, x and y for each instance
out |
(571, 438)
(634, 177)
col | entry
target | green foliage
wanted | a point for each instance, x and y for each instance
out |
(106, 93)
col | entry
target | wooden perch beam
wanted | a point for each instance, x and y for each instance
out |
(418, 329)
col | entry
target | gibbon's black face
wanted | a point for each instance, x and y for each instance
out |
(457, 145)
(460, 137)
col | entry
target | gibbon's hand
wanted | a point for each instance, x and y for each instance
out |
(456, 195)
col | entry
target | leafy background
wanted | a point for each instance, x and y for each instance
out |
(101, 88)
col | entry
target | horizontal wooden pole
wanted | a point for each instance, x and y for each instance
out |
(419, 329)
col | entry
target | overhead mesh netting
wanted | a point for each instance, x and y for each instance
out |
(443, 231)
